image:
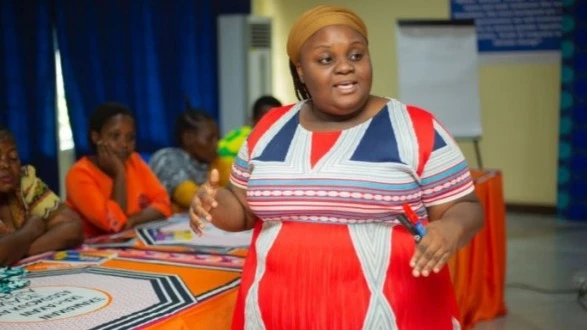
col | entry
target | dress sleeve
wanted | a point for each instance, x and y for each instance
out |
(85, 197)
(224, 167)
(240, 172)
(446, 176)
(39, 198)
(184, 194)
(169, 166)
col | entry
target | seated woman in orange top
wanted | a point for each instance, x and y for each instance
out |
(114, 189)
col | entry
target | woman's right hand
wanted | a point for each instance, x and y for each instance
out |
(204, 201)
(108, 161)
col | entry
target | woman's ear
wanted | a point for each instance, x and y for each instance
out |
(187, 138)
(95, 136)
(300, 72)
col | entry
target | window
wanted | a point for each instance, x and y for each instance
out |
(66, 155)
(64, 127)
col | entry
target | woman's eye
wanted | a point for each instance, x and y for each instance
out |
(325, 60)
(356, 57)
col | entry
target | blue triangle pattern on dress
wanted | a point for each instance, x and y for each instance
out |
(379, 144)
(277, 149)
(438, 141)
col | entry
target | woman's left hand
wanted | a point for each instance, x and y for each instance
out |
(438, 245)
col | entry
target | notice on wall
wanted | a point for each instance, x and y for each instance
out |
(508, 26)
(50, 303)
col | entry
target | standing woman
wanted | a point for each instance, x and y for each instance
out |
(322, 183)
(114, 189)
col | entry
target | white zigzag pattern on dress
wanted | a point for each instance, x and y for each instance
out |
(372, 244)
(253, 318)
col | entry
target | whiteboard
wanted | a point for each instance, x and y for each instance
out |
(438, 71)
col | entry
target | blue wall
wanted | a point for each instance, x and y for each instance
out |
(572, 172)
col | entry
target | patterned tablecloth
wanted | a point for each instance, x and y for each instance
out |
(153, 281)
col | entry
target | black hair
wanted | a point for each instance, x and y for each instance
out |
(102, 113)
(188, 120)
(5, 134)
(265, 100)
(302, 92)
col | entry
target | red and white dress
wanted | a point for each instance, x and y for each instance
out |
(327, 251)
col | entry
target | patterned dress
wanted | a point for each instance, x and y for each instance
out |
(173, 166)
(328, 252)
(32, 198)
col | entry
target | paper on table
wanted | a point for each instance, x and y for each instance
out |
(178, 231)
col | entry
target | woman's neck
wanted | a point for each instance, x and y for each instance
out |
(324, 116)
(316, 120)
(6, 197)
(195, 158)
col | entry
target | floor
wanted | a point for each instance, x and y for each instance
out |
(549, 256)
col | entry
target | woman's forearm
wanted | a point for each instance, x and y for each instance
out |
(467, 217)
(231, 213)
(15, 246)
(147, 215)
(119, 191)
(62, 236)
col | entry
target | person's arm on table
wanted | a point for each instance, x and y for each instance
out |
(15, 246)
(94, 206)
(160, 207)
(147, 215)
(63, 230)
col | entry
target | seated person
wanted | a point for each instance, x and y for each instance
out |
(181, 170)
(114, 189)
(229, 146)
(32, 218)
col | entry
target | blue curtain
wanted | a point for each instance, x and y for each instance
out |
(572, 172)
(27, 83)
(147, 54)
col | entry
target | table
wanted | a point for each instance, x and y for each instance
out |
(103, 290)
(142, 285)
(478, 270)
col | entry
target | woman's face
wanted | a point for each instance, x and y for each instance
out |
(336, 67)
(9, 166)
(119, 134)
(202, 142)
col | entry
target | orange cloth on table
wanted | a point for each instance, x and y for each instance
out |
(89, 193)
(478, 270)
